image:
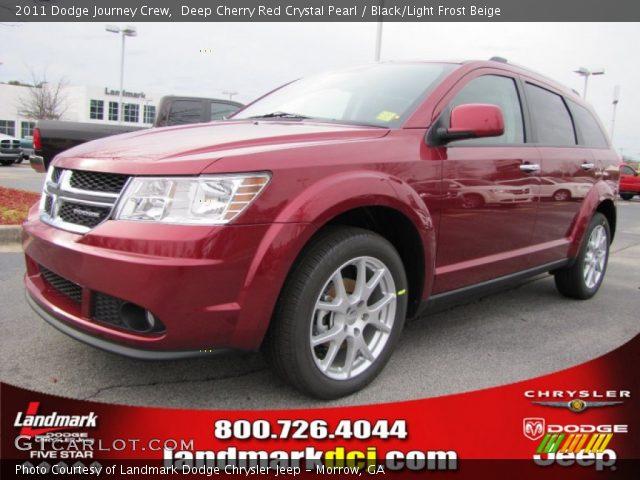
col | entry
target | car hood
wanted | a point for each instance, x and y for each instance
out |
(191, 148)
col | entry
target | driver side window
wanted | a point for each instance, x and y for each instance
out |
(494, 90)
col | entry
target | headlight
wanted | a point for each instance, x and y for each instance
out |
(206, 200)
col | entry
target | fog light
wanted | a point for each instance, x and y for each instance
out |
(137, 318)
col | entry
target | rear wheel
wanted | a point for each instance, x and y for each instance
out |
(340, 314)
(626, 196)
(583, 279)
(472, 200)
(562, 196)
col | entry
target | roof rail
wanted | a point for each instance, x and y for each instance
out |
(498, 59)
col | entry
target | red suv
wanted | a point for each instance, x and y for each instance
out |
(317, 219)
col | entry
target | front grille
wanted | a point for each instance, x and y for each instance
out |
(10, 146)
(106, 309)
(62, 285)
(78, 200)
(98, 182)
(55, 176)
(85, 215)
(48, 202)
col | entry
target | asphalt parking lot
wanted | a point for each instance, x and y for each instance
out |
(22, 177)
(525, 332)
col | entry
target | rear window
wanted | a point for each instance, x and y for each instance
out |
(551, 118)
(186, 111)
(591, 135)
(220, 111)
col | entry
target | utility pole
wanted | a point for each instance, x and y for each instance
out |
(231, 93)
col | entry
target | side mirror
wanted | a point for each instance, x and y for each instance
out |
(473, 120)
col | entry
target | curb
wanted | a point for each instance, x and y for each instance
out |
(10, 234)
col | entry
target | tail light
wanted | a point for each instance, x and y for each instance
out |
(37, 139)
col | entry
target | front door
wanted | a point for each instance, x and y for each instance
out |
(486, 233)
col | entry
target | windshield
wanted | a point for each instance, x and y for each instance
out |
(382, 94)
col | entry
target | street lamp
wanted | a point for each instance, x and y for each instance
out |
(616, 99)
(586, 73)
(127, 31)
(231, 93)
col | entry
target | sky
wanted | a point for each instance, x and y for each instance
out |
(205, 59)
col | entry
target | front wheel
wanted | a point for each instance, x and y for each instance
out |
(340, 313)
(626, 196)
(583, 279)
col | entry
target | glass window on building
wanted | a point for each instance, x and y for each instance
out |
(8, 127)
(113, 111)
(96, 110)
(26, 129)
(131, 112)
(149, 113)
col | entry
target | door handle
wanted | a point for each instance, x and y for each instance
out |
(530, 167)
(587, 166)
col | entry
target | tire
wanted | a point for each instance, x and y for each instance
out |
(310, 346)
(19, 160)
(562, 196)
(583, 279)
(6, 163)
(626, 196)
(472, 200)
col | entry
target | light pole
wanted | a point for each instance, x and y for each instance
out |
(379, 34)
(127, 31)
(231, 93)
(616, 99)
(586, 73)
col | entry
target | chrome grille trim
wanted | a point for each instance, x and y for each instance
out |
(58, 192)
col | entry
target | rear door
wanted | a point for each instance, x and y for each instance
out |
(486, 233)
(570, 165)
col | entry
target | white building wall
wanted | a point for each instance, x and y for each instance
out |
(78, 100)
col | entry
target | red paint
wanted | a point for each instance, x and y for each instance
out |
(629, 181)
(217, 286)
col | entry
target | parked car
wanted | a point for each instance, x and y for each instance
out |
(629, 182)
(300, 225)
(557, 189)
(476, 193)
(54, 136)
(10, 150)
(26, 145)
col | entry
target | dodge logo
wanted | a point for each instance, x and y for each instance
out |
(533, 428)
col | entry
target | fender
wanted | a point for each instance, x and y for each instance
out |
(600, 192)
(339, 193)
(303, 216)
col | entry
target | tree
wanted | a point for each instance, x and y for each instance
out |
(44, 100)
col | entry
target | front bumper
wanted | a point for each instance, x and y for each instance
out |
(211, 287)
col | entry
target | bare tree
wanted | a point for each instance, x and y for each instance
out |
(44, 100)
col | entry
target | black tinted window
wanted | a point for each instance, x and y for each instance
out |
(221, 110)
(186, 111)
(590, 132)
(494, 90)
(550, 116)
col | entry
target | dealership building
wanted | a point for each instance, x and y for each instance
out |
(80, 104)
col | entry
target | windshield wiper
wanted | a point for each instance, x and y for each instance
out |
(281, 115)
